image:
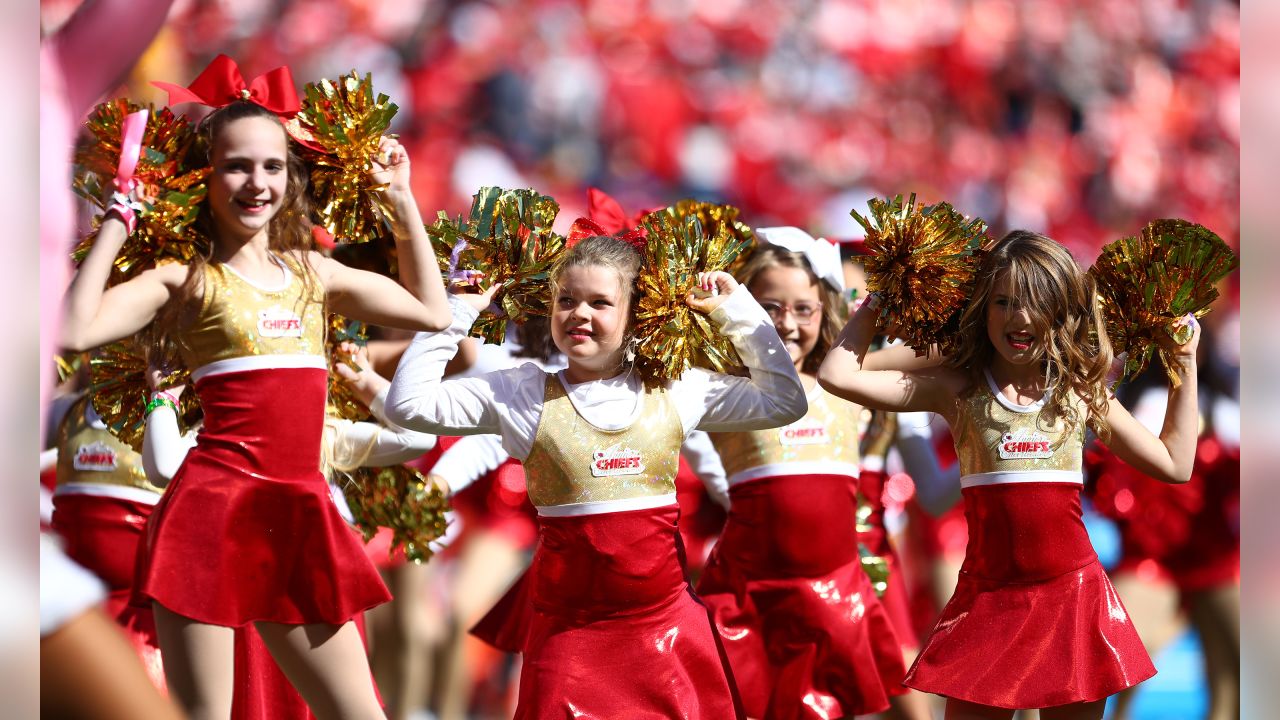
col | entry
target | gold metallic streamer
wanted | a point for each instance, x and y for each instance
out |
(119, 392)
(921, 259)
(716, 219)
(401, 499)
(509, 239)
(172, 177)
(672, 336)
(348, 122)
(342, 400)
(1145, 284)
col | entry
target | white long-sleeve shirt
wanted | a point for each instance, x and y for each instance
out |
(509, 402)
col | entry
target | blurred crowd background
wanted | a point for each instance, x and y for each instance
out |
(1082, 120)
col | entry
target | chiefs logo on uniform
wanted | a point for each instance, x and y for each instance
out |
(95, 457)
(1025, 445)
(616, 460)
(279, 322)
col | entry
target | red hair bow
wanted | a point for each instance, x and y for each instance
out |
(606, 217)
(221, 84)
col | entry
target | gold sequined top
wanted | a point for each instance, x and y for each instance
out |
(238, 319)
(993, 434)
(828, 433)
(573, 461)
(88, 454)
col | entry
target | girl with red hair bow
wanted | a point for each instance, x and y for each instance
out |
(246, 532)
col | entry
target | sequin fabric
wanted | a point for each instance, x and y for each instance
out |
(573, 461)
(239, 319)
(984, 425)
(92, 455)
(827, 433)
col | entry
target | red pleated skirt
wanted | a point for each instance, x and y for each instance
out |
(1034, 621)
(805, 634)
(610, 626)
(896, 600)
(247, 530)
(102, 534)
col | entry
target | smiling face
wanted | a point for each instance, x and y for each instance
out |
(250, 159)
(786, 293)
(1009, 325)
(589, 321)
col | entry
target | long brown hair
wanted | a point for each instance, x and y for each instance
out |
(1064, 314)
(288, 234)
(771, 256)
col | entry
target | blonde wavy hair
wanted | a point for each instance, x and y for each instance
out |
(1065, 316)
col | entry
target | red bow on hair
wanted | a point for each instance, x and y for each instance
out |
(221, 84)
(606, 217)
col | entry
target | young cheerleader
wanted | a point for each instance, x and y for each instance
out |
(100, 508)
(615, 631)
(261, 691)
(804, 631)
(247, 531)
(1034, 622)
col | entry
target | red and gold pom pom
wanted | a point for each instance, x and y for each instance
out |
(119, 391)
(401, 499)
(343, 401)
(506, 240)
(1147, 284)
(343, 124)
(170, 172)
(673, 337)
(922, 261)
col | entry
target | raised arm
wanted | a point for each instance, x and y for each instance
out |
(419, 400)
(422, 304)
(95, 317)
(844, 375)
(771, 397)
(1170, 456)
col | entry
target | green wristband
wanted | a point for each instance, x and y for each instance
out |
(157, 402)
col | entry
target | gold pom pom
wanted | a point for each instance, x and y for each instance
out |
(1146, 284)
(119, 391)
(347, 122)
(922, 260)
(172, 178)
(673, 337)
(507, 240)
(343, 401)
(401, 499)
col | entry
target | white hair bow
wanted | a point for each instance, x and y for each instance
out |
(823, 256)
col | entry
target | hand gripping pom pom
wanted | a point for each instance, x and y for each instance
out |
(118, 390)
(170, 173)
(1146, 284)
(340, 126)
(401, 499)
(922, 261)
(342, 399)
(506, 240)
(672, 337)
